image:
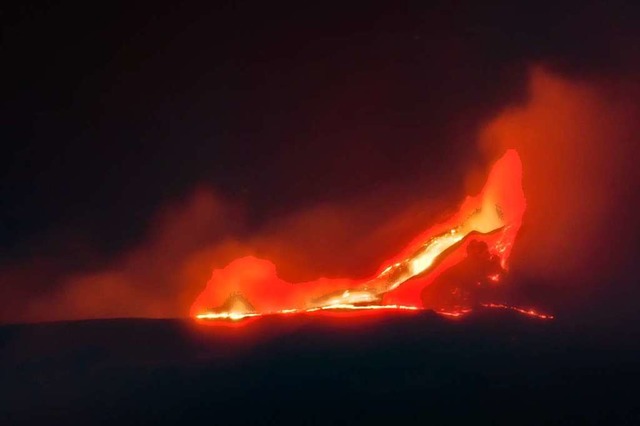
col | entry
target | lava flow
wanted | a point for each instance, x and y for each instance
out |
(448, 268)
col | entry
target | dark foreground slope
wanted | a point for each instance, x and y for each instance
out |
(492, 367)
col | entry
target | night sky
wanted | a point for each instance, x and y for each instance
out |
(158, 132)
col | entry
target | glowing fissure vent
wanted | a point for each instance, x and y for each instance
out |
(249, 287)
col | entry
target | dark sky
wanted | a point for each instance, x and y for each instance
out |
(110, 112)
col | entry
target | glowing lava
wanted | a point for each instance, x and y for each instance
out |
(249, 287)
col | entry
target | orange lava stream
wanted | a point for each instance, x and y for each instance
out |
(230, 316)
(250, 287)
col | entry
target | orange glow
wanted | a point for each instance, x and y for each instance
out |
(530, 312)
(249, 287)
(575, 138)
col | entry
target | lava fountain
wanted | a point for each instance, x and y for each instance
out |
(448, 268)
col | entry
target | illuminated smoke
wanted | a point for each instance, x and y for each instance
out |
(578, 144)
(577, 140)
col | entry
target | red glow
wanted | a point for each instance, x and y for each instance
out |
(249, 287)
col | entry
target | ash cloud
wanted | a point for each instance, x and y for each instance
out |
(577, 141)
(579, 144)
